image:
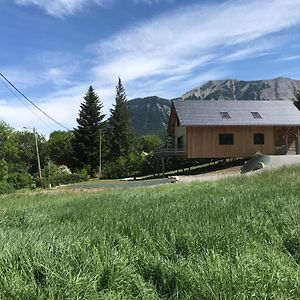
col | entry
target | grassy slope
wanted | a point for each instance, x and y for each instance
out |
(232, 239)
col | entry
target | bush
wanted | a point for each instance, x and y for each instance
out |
(43, 182)
(66, 179)
(83, 172)
(135, 164)
(52, 169)
(3, 170)
(57, 180)
(116, 169)
(6, 188)
(20, 180)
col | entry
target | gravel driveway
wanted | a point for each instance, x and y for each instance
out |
(276, 161)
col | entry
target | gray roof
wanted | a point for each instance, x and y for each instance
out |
(207, 112)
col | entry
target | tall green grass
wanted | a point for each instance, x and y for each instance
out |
(231, 239)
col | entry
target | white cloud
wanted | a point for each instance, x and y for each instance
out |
(24, 78)
(20, 77)
(166, 55)
(257, 49)
(153, 1)
(288, 58)
(62, 8)
(193, 37)
(63, 106)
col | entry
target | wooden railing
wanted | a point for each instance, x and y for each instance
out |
(164, 151)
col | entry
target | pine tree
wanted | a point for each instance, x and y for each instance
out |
(86, 135)
(120, 125)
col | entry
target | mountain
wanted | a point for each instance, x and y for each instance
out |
(150, 115)
(273, 89)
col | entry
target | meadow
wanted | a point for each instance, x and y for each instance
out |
(237, 238)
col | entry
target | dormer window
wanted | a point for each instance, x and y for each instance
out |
(225, 115)
(255, 115)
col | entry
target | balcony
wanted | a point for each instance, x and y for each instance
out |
(164, 151)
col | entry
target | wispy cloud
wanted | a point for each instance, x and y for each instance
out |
(192, 37)
(153, 1)
(62, 8)
(24, 78)
(288, 58)
(259, 48)
(166, 55)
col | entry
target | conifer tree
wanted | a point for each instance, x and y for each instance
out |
(86, 135)
(120, 125)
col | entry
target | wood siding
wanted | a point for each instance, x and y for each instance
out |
(203, 142)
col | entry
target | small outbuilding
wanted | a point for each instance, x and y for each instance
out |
(233, 129)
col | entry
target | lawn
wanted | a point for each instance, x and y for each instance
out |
(237, 238)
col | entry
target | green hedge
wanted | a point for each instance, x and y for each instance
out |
(57, 180)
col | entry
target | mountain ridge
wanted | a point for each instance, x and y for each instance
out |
(150, 114)
(281, 88)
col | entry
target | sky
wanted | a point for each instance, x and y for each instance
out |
(53, 50)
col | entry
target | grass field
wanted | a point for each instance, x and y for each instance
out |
(232, 239)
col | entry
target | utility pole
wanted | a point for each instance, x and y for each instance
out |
(100, 154)
(37, 150)
(37, 153)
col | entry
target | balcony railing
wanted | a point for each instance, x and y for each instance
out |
(166, 151)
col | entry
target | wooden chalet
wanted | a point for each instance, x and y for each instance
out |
(233, 129)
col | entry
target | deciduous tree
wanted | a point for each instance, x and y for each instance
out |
(60, 147)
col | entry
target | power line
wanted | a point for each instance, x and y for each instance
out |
(23, 102)
(32, 103)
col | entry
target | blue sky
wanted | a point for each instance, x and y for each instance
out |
(54, 49)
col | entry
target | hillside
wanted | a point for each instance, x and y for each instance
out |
(273, 89)
(150, 115)
(170, 242)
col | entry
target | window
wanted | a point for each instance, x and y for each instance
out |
(255, 115)
(258, 138)
(224, 115)
(178, 122)
(226, 139)
(180, 142)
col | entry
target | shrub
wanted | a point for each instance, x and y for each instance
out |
(20, 180)
(6, 188)
(52, 169)
(83, 172)
(66, 179)
(135, 164)
(116, 169)
(3, 170)
(43, 182)
(59, 179)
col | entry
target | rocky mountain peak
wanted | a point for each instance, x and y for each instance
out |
(150, 115)
(281, 88)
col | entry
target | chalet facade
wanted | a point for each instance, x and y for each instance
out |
(230, 128)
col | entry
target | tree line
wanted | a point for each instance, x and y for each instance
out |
(74, 155)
